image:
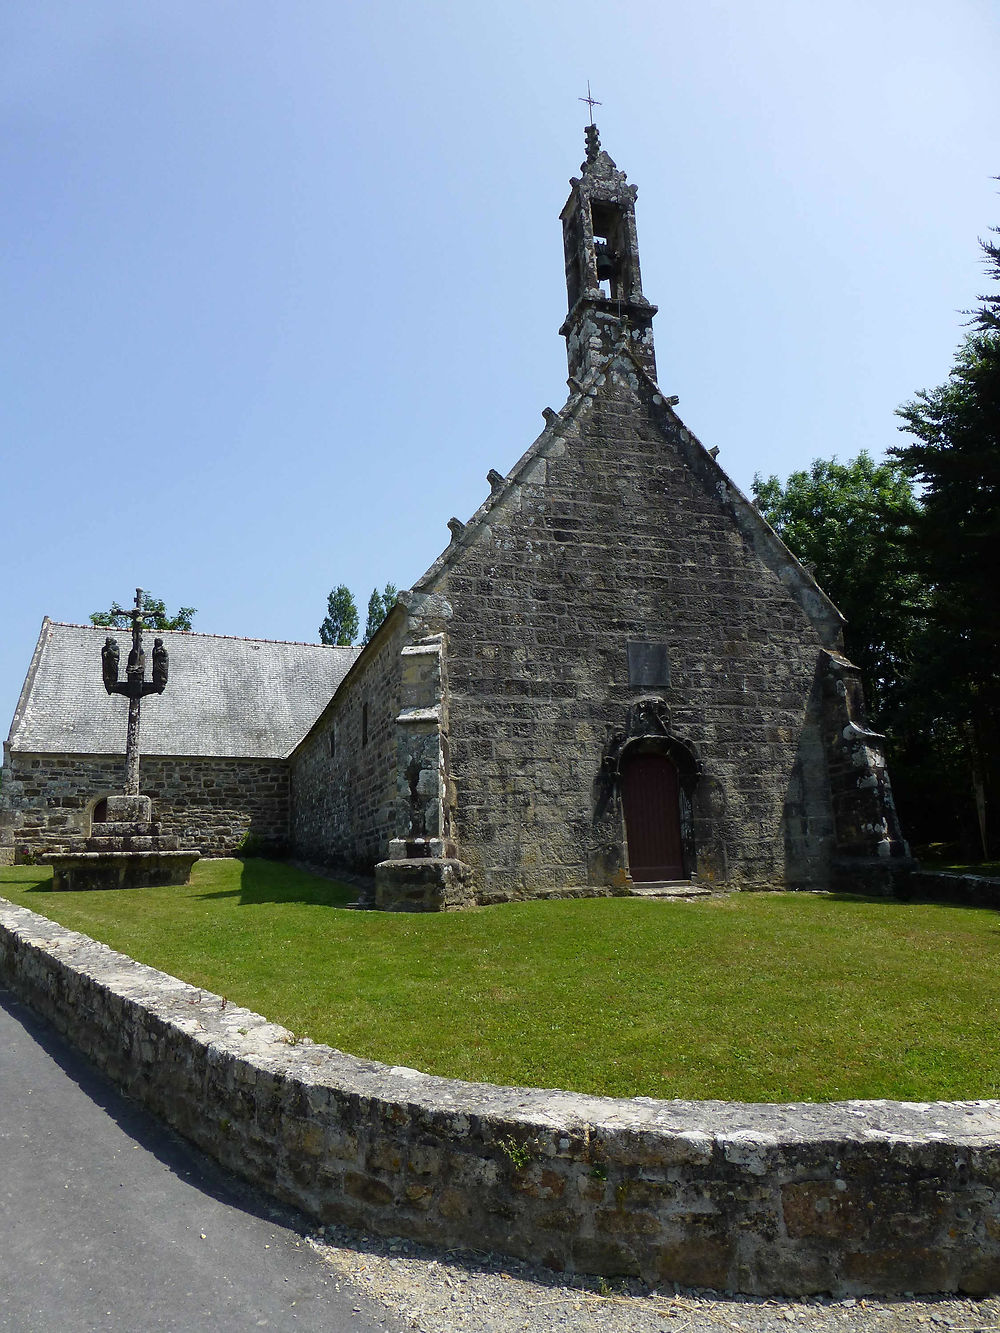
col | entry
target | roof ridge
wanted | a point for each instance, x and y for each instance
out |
(201, 634)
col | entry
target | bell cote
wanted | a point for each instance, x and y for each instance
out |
(603, 283)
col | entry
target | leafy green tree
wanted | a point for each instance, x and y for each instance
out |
(379, 606)
(955, 458)
(849, 523)
(341, 623)
(154, 612)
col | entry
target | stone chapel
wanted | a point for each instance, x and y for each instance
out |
(615, 675)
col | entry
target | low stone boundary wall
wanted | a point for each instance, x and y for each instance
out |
(850, 1197)
(952, 886)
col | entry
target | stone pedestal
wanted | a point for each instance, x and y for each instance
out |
(423, 884)
(126, 850)
(128, 809)
(120, 870)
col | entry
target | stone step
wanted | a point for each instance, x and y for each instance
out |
(670, 888)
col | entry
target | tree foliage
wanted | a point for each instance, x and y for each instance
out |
(154, 615)
(907, 550)
(849, 523)
(954, 456)
(341, 624)
(379, 606)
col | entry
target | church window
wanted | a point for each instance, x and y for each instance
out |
(364, 724)
(333, 742)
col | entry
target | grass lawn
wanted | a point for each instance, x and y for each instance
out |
(988, 869)
(755, 997)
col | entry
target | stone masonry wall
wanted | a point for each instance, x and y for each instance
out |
(211, 804)
(343, 774)
(621, 527)
(851, 1197)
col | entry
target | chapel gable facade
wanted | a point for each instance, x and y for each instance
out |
(615, 674)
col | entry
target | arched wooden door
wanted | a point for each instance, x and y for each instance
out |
(651, 798)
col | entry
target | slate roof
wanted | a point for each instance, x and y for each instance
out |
(225, 697)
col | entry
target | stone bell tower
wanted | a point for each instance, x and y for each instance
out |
(602, 267)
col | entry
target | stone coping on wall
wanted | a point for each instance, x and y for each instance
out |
(848, 1197)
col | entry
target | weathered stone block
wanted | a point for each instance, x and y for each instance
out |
(823, 1208)
(424, 884)
(120, 870)
(129, 809)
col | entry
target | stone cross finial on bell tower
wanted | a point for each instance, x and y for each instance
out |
(603, 282)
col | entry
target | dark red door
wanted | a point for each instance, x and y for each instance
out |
(650, 795)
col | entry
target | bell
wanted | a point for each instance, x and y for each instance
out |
(606, 266)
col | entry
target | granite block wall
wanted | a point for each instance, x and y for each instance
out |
(211, 804)
(343, 774)
(622, 528)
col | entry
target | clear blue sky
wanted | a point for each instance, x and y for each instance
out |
(282, 279)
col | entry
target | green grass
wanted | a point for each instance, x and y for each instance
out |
(773, 997)
(943, 856)
(989, 869)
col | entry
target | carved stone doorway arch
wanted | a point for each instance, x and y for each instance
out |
(629, 792)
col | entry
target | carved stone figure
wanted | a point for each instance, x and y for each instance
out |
(160, 666)
(110, 655)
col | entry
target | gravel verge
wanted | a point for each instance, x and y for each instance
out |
(437, 1291)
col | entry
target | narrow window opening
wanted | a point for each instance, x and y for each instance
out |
(364, 724)
(333, 743)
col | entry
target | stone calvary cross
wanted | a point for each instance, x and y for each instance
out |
(135, 686)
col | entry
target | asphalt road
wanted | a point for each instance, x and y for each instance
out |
(110, 1222)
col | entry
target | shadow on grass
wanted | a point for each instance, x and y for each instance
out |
(252, 881)
(917, 899)
(38, 879)
(274, 882)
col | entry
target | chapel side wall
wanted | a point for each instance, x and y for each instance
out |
(217, 805)
(343, 802)
(611, 536)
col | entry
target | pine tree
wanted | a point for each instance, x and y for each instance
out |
(379, 606)
(955, 458)
(341, 624)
